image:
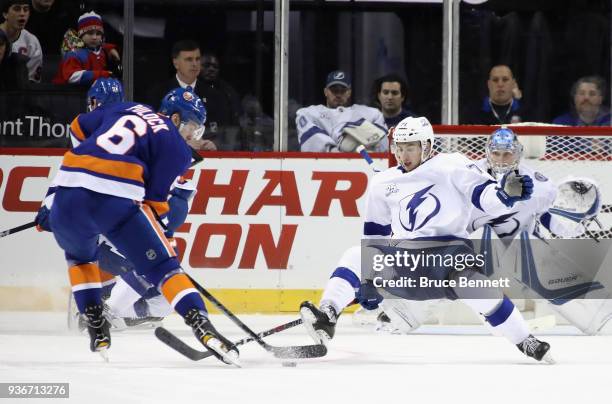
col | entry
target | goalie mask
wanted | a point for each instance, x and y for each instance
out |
(413, 130)
(503, 151)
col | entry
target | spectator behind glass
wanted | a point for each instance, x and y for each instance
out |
(390, 94)
(16, 14)
(13, 69)
(587, 95)
(186, 61)
(256, 128)
(502, 106)
(87, 58)
(222, 103)
(339, 126)
(48, 22)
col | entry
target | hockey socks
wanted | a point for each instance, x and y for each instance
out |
(86, 285)
(180, 293)
(507, 320)
(340, 289)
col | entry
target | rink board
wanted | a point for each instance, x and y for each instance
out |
(262, 233)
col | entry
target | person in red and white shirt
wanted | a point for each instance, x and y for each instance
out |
(86, 64)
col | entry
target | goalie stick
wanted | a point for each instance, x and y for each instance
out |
(181, 347)
(284, 352)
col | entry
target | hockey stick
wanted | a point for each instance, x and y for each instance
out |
(181, 347)
(17, 229)
(366, 156)
(299, 351)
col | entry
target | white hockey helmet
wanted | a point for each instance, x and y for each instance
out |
(415, 130)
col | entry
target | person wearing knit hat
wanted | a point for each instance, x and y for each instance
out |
(90, 22)
(94, 60)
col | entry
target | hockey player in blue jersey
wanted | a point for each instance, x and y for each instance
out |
(115, 183)
(104, 91)
(427, 199)
(140, 301)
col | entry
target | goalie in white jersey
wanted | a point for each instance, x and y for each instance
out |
(338, 126)
(427, 199)
(504, 152)
(565, 211)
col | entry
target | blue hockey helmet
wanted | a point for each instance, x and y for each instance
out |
(503, 151)
(190, 109)
(103, 91)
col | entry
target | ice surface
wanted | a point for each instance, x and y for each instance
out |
(361, 366)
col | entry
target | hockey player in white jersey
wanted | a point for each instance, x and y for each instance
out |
(427, 199)
(563, 215)
(339, 126)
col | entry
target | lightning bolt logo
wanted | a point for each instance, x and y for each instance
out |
(412, 209)
(503, 219)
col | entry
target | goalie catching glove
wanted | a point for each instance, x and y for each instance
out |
(514, 187)
(578, 202)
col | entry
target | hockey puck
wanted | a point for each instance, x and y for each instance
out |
(289, 364)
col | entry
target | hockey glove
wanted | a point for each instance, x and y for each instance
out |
(179, 207)
(43, 219)
(514, 187)
(368, 297)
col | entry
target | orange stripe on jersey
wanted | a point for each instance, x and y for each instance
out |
(106, 276)
(84, 273)
(160, 207)
(175, 285)
(160, 232)
(120, 169)
(75, 127)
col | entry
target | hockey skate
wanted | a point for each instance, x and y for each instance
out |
(319, 322)
(98, 328)
(206, 333)
(536, 349)
(119, 323)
